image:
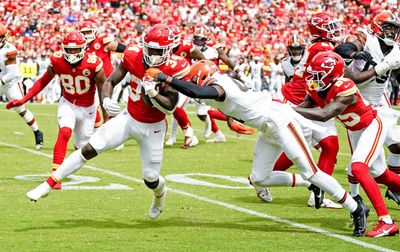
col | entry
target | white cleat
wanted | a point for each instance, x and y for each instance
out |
(38, 147)
(171, 141)
(190, 141)
(264, 194)
(218, 139)
(40, 191)
(157, 205)
(326, 203)
(207, 132)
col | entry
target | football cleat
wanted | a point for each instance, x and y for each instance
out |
(218, 139)
(318, 195)
(171, 141)
(157, 205)
(241, 128)
(384, 229)
(264, 193)
(57, 186)
(393, 195)
(360, 220)
(40, 191)
(207, 131)
(360, 201)
(190, 142)
(326, 203)
(38, 139)
(119, 147)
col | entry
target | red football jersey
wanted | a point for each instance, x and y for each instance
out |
(132, 61)
(98, 47)
(354, 117)
(295, 90)
(77, 82)
(184, 49)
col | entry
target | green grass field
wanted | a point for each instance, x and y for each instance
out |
(109, 211)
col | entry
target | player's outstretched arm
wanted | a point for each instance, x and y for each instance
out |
(39, 85)
(196, 54)
(331, 110)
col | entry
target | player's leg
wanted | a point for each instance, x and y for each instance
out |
(14, 91)
(297, 150)
(393, 143)
(111, 134)
(151, 151)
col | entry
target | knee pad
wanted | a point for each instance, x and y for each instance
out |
(149, 175)
(359, 168)
(65, 133)
(151, 185)
(88, 152)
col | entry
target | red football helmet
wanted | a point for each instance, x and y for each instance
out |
(324, 26)
(74, 47)
(386, 26)
(157, 43)
(201, 35)
(177, 35)
(325, 68)
(296, 46)
(201, 70)
(88, 30)
(3, 34)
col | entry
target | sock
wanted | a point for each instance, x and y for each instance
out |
(70, 165)
(391, 179)
(160, 189)
(174, 128)
(214, 126)
(60, 148)
(189, 132)
(386, 218)
(371, 188)
(182, 118)
(280, 178)
(354, 185)
(283, 163)
(30, 120)
(329, 149)
(330, 185)
(53, 180)
(216, 114)
(99, 119)
(394, 162)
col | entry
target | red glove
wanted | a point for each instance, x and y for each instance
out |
(15, 103)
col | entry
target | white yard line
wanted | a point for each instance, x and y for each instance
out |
(223, 204)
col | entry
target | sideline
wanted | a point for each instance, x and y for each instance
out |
(223, 204)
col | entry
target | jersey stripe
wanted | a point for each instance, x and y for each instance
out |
(348, 92)
(12, 54)
(181, 74)
(303, 146)
(376, 141)
(99, 66)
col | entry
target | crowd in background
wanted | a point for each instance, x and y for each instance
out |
(248, 28)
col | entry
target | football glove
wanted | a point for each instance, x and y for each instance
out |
(111, 107)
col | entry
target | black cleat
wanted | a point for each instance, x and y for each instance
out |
(38, 139)
(360, 220)
(360, 201)
(393, 195)
(318, 195)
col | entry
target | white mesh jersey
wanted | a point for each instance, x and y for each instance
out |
(288, 68)
(255, 109)
(256, 69)
(373, 89)
(43, 64)
(6, 52)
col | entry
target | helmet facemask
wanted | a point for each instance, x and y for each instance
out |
(390, 33)
(334, 31)
(88, 34)
(76, 55)
(317, 81)
(199, 41)
(155, 55)
(296, 52)
(3, 39)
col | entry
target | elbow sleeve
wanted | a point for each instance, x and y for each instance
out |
(346, 49)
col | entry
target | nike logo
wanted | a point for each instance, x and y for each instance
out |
(157, 131)
(386, 232)
(346, 86)
(91, 113)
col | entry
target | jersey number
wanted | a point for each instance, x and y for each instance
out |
(349, 119)
(78, 85)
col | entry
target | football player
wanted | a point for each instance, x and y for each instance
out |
(295, 46)
(102, 46)
(326, 31)
(143, 120)
(339, 97)
(79, 74)
(280, 129)
(375, 56)
(9, 86)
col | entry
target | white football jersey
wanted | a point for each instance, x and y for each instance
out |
(373, 89)
(43, 64)
(6, 52)
(256, 69)
(255, 109)
(288, 68)
(210, 53)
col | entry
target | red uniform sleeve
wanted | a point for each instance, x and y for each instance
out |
(345, 87)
